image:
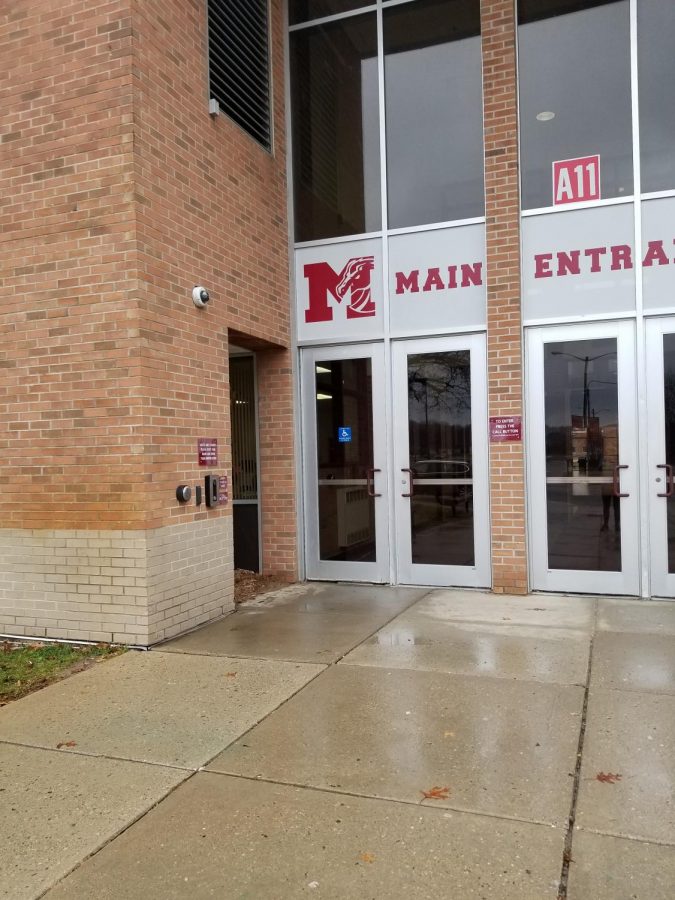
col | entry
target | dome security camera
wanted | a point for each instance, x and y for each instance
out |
(200, 296)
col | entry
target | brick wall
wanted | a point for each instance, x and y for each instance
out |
(69, 354)
(118, 194)
(504, 333)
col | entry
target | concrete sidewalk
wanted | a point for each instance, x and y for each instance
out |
(337, 741)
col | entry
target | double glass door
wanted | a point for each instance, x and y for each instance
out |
(396, 462)
(600, 465)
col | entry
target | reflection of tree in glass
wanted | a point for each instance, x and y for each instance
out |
(439, 381)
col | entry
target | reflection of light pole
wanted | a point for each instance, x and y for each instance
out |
(585, 360)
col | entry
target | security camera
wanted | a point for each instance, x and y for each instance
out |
(200, 296)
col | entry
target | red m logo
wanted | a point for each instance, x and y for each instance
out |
(354, 280)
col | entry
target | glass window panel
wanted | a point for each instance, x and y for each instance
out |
(344, 400)
(574, 62)
(582, 450)
(304, 10)
(439, 434)
(335, 122)
(656, 72)
(434, 112)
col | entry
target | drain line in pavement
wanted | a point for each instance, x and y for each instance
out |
(567, 852)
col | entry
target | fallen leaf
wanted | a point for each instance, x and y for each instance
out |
(367, 857)
(608, 777)
(448, 734)
(230, 674)
(436, 793)
(66, 744)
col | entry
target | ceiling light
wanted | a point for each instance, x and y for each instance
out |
(322, 370)
(545, 116)
(324, 396)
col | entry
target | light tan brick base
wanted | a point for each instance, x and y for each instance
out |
(132, 587)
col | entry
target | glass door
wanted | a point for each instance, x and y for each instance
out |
(441, 464)
(661, 453)
(344, 431)
(582, 458)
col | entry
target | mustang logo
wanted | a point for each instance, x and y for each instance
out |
(352, 284)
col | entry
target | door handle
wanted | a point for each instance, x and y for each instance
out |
(370, 482)
(669, 480)
(411, 484)
(616, 483)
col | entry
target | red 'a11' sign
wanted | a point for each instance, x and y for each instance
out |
(575, 180)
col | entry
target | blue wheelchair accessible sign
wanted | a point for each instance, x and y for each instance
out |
(344, 435)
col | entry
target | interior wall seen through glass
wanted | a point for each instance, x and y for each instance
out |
(336, 146)
(344, 445)
(656, 73)
(305, 10)
(434, 112)
(575, 93)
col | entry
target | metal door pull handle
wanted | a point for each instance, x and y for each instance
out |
(669, 480)
(411, 484)
(370, 482)
(616, 484)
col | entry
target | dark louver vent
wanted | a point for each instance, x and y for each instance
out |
(239, 63)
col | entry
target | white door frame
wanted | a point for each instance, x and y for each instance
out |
(408, 572)
(626, 581)
(662, 582)
(341, 570)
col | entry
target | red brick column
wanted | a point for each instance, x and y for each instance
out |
(277, 465)
(504, 334)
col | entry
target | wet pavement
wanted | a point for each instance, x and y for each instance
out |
(337, 741)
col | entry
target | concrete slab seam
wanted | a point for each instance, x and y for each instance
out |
(326, 667)
(90, 755)
(509, 678)
(379, 799)
(569, 837)
(633, 838)
(114, 836)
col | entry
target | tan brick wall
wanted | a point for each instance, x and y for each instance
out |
(78, 585)
(505, 366)
(131, 587)
(190, 575)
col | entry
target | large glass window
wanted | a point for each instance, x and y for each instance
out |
(434, 112)
(656, 68)
(575, 93)
(336, 147)
(304, 10)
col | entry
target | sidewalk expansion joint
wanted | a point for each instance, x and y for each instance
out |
(341, 792)
(90, 754)
(569, 837)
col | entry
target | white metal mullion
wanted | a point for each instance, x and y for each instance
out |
(388, 359)
(336, 17)
(642, 461)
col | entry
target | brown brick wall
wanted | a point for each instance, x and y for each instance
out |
(211, 209)
(505, 367)
(69, 354)
(118, 193)
(277, 462)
